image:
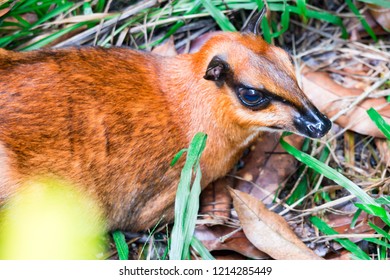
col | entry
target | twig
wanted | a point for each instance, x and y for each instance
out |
(361, 97)
(335, 236)
(128, 13)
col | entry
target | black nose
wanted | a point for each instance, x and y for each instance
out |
(312, 123)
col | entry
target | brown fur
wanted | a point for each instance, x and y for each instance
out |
(111, 120)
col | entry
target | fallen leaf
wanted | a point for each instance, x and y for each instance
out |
(220, 238)
(268, 231)
(343, 226)
(166, 49)
(381, 15)
(341, 256)
(330, 97)
(4, 11)
(216, 201)
(383, 147)
(267, 167)
(358, 32)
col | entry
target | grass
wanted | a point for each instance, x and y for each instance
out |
(328, 172)
(363, 21)
(366, 203)
(347, 244)
(50, 22)
(186, 207)
(380, 122)
(187, 202)
(39, 28)
(121, 245)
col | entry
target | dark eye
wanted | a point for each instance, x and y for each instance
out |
(252, 98)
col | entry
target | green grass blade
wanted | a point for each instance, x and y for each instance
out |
(321, 15)
(299, 192)
(378, 242)
(379, 230)
(328, 172)
(176, 26)
(166, 251)
(285, 21)
(355, 218)
(218, 16)
(372, 209)
(301, 4)
(29, 3)
(121, 245)
(55, 12)
(181, 227)
(50, 38)
(87, 9)
(33, 7)
(383, 3)
(376, 211)
(22, 21)
(192, 213)
(325, 16)
(383, 200)
(379, 122)
(178, 156)
(363, 21)
(7, 40)
(201, 249)
(100, 6)
(347, 244)
(151, 233)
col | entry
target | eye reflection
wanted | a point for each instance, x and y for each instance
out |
(252, 98)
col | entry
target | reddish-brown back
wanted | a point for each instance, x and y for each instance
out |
(111, 120)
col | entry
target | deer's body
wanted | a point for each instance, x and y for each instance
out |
(111, 120)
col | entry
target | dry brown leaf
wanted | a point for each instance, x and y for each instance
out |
(268, 231)
(166, 49)
(381, 15)
(384, 150)
(329, 97)
(216, 200)
(215, 239)
(341, 256)
(267, 165)
(342, 224)
(4, 11)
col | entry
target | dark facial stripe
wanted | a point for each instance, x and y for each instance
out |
(234, 85)
(283, 80)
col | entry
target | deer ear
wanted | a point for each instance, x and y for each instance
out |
(253, 25)
(217, 70)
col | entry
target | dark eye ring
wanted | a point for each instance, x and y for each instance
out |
(252, 98)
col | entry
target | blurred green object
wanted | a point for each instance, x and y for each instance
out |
(50, 219)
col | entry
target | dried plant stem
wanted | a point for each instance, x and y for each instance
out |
(320, 239)
(364, 95)
(128, 13)
(337, 201)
